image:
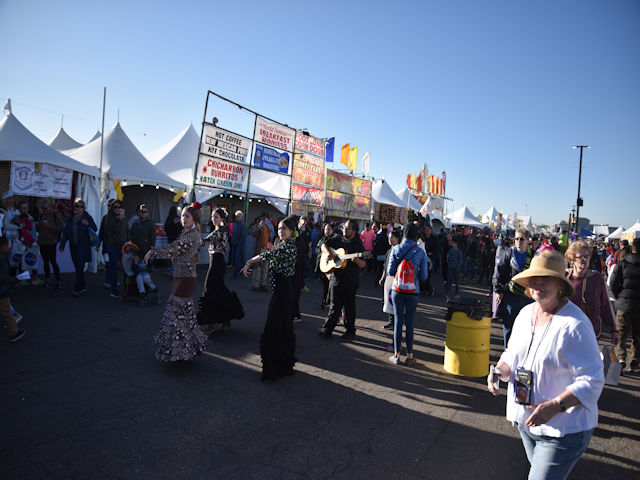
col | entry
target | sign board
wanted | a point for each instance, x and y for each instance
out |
(274, 135)
(308, 169)
(310, 144)
(40, 180)
(308, 195)
(360, 207)
(340, 182)
(216, 173)
(337, 204)
(271, 159)
(226, 145)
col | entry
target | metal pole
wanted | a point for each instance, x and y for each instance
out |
(579, 200)
(103, 179)
(195, 169)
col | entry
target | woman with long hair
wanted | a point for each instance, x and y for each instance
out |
(218, 305)
(277, 342)
(179, 337)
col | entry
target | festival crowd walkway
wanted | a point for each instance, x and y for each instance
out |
(83, 397)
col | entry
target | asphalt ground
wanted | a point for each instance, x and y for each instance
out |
(83, 397)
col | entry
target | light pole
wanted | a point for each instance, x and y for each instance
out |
(579, 200)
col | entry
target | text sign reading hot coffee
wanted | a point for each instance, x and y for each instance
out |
(222, 144)
(274, 135)
(216, 173)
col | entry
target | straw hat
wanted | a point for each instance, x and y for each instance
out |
(550, 264)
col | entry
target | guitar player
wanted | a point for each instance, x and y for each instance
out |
(343, 284)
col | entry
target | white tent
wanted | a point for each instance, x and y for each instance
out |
(616, 234)
(18, 144)
(464, 217)
(95, 135)
(526, 222)
(123, 161)
(435, 216)
(431, 204)
(381, 193)
(62, 141)
(178, 157)
(601, 230)
(408, 199)
(632, 232)
(491, 216)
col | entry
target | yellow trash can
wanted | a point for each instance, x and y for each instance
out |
(466, 348)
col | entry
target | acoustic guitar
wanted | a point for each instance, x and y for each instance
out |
(340, 258)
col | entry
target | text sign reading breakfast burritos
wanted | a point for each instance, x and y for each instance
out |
(226, 145)
(274, 135)
(216, 173)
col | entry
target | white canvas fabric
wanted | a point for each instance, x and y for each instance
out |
(381, 193)
(17, 143)
(406, 197)
(62, 141)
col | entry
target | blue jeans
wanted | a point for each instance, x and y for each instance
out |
(452, 275)
(553, 458)
(238, 259)
(112, 268)
(404, 309)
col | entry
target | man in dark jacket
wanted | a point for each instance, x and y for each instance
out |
(116, 235)
(143, 231)
(237, 242)
(510, 297)
(344, 283)
(625, 285)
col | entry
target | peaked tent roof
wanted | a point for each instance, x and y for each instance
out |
(406, 197)
(633, 229)
(177, 158)
(18, 144)
(381, 193)
(122, 160)
(62, 141)
(491, 216)
(95, 135)
(463, 216)
(616, 234)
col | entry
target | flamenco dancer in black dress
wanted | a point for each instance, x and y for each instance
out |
(218, 305)
(278, 342)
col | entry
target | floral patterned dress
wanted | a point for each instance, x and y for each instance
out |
(180, 337)
(218, 304)
(278, 342)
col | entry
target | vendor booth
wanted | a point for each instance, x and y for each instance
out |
(387, 207)
(631, 233)
(31, 168)
(615, 235)
(463, 217)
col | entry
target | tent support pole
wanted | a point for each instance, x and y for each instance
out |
(103, 178)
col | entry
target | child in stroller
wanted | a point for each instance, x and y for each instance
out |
(137, 279)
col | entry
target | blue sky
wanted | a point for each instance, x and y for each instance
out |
(493, 92)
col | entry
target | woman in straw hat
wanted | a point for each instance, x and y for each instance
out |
(554, 370)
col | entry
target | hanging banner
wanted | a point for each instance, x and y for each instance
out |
(226, 145)
(360, 207)
(308, 169)
(310, 144)
(274, 135)
(308, 195)
(341, 182)
(40, 180)
(337, 204)
(220, 174)
(271, 159)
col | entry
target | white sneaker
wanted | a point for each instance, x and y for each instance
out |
(394, 359)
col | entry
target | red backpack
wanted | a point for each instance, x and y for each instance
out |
(405, 279)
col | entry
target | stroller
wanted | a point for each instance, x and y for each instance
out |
(137, 277)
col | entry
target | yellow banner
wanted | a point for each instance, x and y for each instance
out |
(353, 158)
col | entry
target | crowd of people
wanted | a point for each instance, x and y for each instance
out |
(552, 297)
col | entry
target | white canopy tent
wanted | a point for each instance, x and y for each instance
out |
(178, 157)
(632, 232)
(62, 141)
(408, 199)
(491, 216)
(616, 234)
(601, 230)
(95, 135)
(432, 204)
(381, 193)
(121, 160)
(464, 217)
(17, 143)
